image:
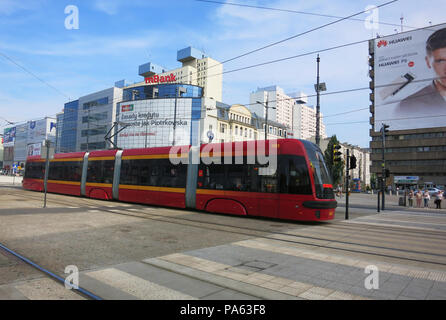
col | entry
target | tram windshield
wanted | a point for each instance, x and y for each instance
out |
(322, 179)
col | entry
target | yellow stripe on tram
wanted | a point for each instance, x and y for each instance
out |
(104, 185)
(152, 188)
(101, 158)
(67, 159)
(154, 156)
(74, 183)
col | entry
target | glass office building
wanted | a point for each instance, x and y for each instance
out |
(69, 127)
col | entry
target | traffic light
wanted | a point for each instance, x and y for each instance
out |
(336, 153)
(352, 162)
(387, 173)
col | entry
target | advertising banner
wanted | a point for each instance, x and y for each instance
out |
(410, 79)
(9, 137)
(34, 149)
(150, 123)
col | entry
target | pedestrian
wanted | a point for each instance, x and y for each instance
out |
(418, 197)
(426, 198)
(438, 199)
(411, 195)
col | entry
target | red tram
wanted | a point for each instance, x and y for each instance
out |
(230, 178)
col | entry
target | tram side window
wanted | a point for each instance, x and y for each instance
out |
(241, 177)
(294, 177)
(268, 182)
(236, 177)
(100, 171)
(153, 172)
(129, 172)
(35, 170)
(173, 176)
(214, 176)
(65, 170)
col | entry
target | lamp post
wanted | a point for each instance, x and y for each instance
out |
(266, 116)
(318, 87)
(178, 92)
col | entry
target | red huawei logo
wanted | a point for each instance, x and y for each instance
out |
(382, 43)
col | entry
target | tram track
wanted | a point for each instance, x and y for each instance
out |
(361, 248)
(50, 274)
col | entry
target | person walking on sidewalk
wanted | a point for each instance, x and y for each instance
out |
(426, 198)
(439, 199)
(419, 196)
(411, 195)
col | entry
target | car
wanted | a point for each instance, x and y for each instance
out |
(433, 191)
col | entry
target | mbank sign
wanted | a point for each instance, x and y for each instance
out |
(160, 79)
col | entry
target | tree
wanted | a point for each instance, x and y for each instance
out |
(336, 168)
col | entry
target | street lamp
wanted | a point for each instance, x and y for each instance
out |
(178, 92)
(318, 87)
(266, 116)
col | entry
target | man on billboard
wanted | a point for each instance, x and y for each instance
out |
(433, 96)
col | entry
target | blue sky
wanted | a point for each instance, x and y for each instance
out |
(115, 36)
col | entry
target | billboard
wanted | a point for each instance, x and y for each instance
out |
(410, 79)
(150, 122)
(9, 137)
(40, 130)
(34, 149)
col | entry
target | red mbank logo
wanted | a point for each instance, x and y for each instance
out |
(160, 79)
(382, 43)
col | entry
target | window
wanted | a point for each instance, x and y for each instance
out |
(65, 170)
(100, 171)
(95, 103)
(294, 177)
(153, 172)
(236, 130)
(35, 170)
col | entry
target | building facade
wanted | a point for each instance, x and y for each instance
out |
(95, 118)
(290, 110)
(26, 139)
(363, 160)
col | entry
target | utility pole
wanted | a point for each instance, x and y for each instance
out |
(47, 167)
(88, 125)
(318, 107)
(266, 119)
(318, 87)
(266, 115)
(347, 182)
(383, 164)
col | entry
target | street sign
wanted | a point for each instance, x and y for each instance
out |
(406, 179)
(210, 135)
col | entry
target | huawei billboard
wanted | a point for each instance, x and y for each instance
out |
(410, 79)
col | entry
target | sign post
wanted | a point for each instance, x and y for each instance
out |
(46, 154)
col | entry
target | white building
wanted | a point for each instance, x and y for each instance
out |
(290, 110)
(96, 115)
